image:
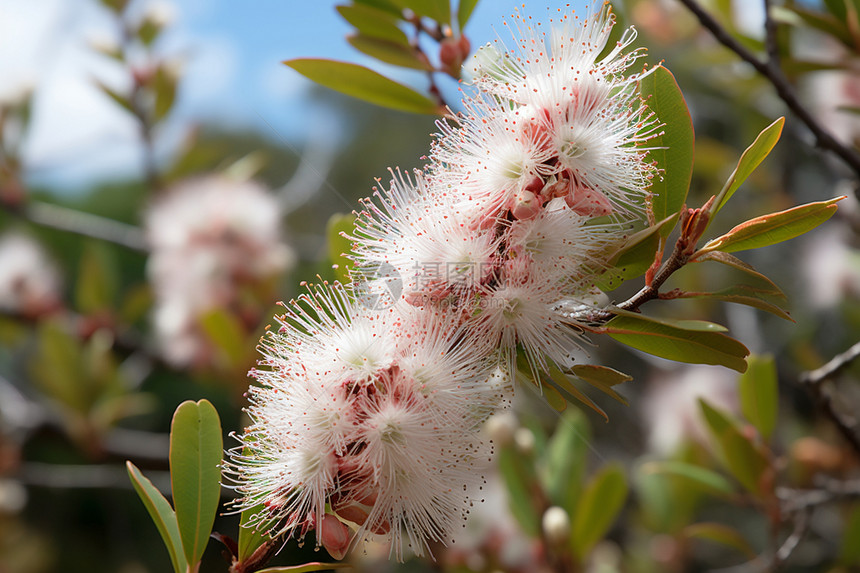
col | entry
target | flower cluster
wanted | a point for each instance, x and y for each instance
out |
(370, 412)
(525, 191)
(211, 238)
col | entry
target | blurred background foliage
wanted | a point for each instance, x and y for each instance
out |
(86, 378)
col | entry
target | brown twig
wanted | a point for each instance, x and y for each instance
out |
(814, 380)
(773, 73)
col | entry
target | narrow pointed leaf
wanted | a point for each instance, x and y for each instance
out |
(603, 378)
(752, 301)
(599, 505)
(196, 447)
(250, 538)
(733, 261)
(363, 83)
(773, 228)
(745, 462)
(438, 10)
(673, 150)
(561, 380)
(850, 551)
(602, 374)
(389, 52)
(554, 398)
(635, 255)
(306, 568)
(374, 23)
(747, 295)
(118, 98)
(702, 476)
(162, 515)
(520, 485)
(722, 534)
(227, 333)
(679, 344)
(464, 12)
(759, 394)
(566, 460)
(750, 159)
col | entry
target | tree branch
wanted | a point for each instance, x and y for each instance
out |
(81, 223)
(815, 379)
(784, 89)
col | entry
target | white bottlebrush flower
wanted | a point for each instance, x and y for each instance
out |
(209, 237)
(375, 414)
(566, 123)
(435, 250)
(29, 280)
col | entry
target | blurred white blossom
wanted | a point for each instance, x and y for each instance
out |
(29, 279)
(210, 237)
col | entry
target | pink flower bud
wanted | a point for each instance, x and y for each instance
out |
(588, 202)
(525, 205)
(334, 536)
(449, 53)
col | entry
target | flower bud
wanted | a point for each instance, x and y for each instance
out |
(501, 428)
(525, 440)
(588, 202)
(556, 525)
(334, 536)
(525, 205)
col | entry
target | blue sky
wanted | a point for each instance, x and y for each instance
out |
(231, 55)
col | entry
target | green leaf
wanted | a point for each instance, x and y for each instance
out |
(123, 101)
(164, 86)
(306, 568)
(733, 261)
(196, 447)
(737, 452)
(773, 228)
(438, 10)
(338, 245)
(464, 12)
(635, 255)
(98, 279)
(601, 374)
(684, 341)
(745, 294)
(759, 394)
(250, 537)
(598, 507)
(554, 398)
(384, 5)
(389, 52)
(58, 368)
(702, 476)
(566, 458)
(750, 159)
(227, 333)
(520, 485)
(673, 151)
(603, 378)
(162, 515)
(362, 83)
(796, 16)
(562, 380)
(850, 552)
(374, 23)
(722, 534)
